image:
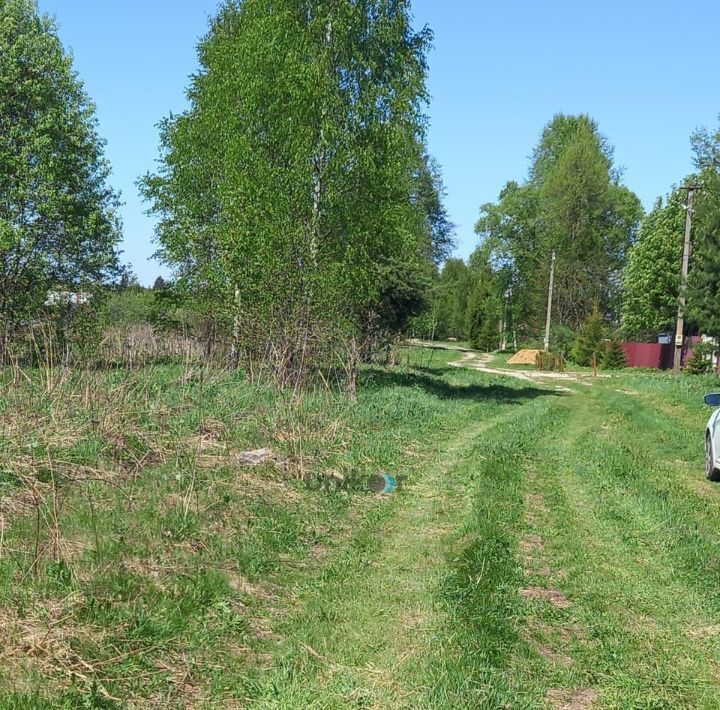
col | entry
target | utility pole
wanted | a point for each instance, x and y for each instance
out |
(550, 302)
(682, 301)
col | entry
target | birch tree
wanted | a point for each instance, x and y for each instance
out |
(290, 180)
(59, 227)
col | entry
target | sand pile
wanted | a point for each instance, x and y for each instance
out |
(524, 357)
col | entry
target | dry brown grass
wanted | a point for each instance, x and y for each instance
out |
(94, 444)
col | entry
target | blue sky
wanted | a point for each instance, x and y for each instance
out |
(645, 69)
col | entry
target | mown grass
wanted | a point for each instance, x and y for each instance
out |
(546, 549)
(570, 562)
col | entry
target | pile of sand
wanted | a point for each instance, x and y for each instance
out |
(524, 357)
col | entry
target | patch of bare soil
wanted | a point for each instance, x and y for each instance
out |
(536, 501)
(556, 598)
(571, 699)
(530, 545)
(553, 655)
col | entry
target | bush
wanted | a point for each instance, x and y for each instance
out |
(614, 356)
(590, 342)
(131, 306)
(701, 361)
(562, 340)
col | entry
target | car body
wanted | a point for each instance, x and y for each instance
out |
(712, 438)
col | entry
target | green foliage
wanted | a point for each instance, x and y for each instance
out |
(573, 204)
(131, 306)
(562, 340)
(614, 356)
(403, 292)
(590, 342)
(58, 218)
(452, 292)
(429, 194)
(704, 281)
(316, 176)
(701, 361)
(484, 309)
(651, 280)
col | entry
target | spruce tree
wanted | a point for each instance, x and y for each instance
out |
(590, 343)
(614, 356)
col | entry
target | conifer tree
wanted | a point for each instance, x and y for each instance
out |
(590, 343)
(614, 356)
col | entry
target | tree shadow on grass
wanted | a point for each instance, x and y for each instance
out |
(434, 383)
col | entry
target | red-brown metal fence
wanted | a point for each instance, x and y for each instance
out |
(656, 355)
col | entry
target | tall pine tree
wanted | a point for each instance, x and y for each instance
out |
(573, 203)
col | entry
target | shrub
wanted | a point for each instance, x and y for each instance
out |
(562, 339)
(614, 356)
(701, 361)
(590, 342)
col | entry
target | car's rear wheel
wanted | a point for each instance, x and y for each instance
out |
(711, 472)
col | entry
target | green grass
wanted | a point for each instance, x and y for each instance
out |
(544, 549)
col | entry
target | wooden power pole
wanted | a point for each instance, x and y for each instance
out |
(682, 301)
(550, 302)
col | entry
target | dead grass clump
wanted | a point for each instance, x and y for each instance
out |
(553, 655)
(704, 632)
(45, 642)
(532, 544)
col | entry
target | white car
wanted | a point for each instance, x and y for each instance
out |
(712, 439)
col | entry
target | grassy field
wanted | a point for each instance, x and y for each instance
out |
(545, 550)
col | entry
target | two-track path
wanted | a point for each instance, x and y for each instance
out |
(556, 551)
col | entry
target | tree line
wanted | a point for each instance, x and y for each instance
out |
(301, 213)
(617, 269)
(296, 199)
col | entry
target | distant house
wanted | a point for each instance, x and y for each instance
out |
(67, 298)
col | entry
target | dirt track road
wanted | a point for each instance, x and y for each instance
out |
(482, 362)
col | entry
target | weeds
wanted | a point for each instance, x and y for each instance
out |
(133, 537)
